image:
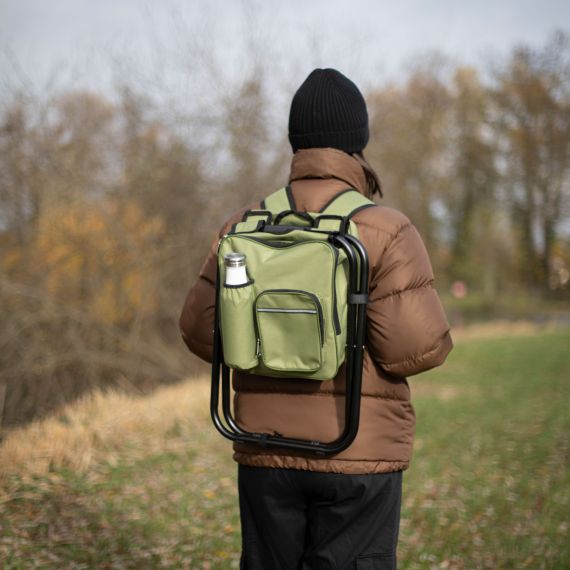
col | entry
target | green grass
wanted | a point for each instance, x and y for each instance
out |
(489, 485)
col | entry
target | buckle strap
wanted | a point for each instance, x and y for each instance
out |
(358, 299)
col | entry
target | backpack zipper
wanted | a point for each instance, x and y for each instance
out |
(281, 244)
(283, 310)
(336, 319)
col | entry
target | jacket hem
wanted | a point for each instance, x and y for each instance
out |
(351, 467)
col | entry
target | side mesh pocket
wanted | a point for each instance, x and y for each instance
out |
(237, 326)
(291, 330)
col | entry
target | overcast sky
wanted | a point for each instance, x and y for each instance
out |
(364, 38)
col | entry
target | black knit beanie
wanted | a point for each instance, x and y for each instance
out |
(328, 110)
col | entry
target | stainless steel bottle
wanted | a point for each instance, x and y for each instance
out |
(236, 273)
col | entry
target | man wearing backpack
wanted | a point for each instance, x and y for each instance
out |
(298, 510)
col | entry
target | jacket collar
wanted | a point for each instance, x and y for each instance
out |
(328, 163)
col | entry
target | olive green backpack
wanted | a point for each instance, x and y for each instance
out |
(300, 311)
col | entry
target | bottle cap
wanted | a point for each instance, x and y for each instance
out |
(234, 259)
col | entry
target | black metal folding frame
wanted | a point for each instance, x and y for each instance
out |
(356, 327)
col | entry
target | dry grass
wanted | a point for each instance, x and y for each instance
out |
(101, 425)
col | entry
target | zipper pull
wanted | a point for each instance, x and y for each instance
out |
(258, 348)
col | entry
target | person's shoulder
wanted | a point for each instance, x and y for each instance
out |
(382, 218)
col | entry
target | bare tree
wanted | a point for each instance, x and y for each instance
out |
(533, 105)
(471, 198)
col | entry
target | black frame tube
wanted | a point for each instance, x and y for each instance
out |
(356, 324)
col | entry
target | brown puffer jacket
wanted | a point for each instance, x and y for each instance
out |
(407, 334)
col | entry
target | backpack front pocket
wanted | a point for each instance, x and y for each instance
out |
(290, 330)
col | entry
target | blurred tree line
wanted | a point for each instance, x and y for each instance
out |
(108, 205)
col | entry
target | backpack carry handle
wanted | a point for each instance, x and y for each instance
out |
(343, 223)
(302, 215)
(266, 214)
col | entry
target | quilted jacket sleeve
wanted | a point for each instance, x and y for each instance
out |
(408, 331)
(197, 318)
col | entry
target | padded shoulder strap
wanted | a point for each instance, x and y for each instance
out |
(279, 201)
(347, 203)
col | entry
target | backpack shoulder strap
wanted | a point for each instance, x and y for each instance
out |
(279, 201)
(347, 203)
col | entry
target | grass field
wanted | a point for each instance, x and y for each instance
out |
(117, 482)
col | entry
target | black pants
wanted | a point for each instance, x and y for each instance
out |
(302, 520)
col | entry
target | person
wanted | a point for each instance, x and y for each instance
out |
(302, 511)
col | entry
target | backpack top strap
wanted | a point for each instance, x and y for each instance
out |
(279, 201)
(347, 203)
